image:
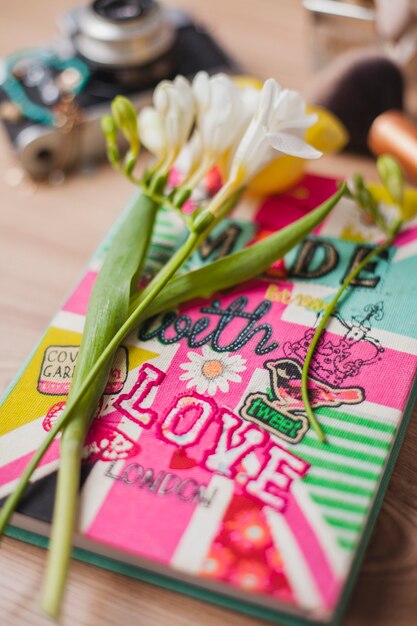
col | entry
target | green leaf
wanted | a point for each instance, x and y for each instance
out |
(109, 301)
(107, 311)
(240, 266)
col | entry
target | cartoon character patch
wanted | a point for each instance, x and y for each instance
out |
(334, 361)
(282, 410)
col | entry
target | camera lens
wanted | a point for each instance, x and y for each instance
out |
(121, 10)
(129, 37)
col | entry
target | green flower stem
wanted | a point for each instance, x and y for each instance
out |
(13, 500)
(65, 513)
(322, 325)
(66, 493)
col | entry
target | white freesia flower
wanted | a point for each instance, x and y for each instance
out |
(249, 126)
(278, 126)
(223, 113)
(165, 127)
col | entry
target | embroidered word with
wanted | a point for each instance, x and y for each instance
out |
(171, 328)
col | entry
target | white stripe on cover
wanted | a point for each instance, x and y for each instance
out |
(203, 527)
(299, 575)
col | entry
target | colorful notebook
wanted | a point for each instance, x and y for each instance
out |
(201, 472)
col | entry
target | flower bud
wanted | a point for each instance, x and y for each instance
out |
(125, 116)
(392, 177)
(129, 162)
(109, 129)
(113, 156)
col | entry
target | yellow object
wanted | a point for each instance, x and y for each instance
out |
(243, 81)
(328, 134)
(281, 174)
(409, 203)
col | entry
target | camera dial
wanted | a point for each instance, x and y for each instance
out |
(112, 34)
(123, 9)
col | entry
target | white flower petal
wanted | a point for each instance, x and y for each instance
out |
(233, 377)
(174, 102)
(291, 144)
(186, 376)
(222, 384)
(202, 385)
(288, 105)
(172, 119)
(236, 359)
(151, 131)
(269, 94)
(194, 356)
(186, 102)
(222, 113)
(250, 101)
(303, 122)
(201, 90)
(210, 354)
(212, 387)
(191, 154)
(252, 154)
(160, 97)
(190, 365)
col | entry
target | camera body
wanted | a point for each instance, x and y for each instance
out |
(52, 98)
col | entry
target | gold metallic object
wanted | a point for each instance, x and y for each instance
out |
(395, 134)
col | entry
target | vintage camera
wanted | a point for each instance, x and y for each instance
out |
(52, 99)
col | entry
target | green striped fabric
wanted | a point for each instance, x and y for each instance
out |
(345, 471)
(168, 234)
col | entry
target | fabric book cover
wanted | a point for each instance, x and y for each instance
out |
(200, 466)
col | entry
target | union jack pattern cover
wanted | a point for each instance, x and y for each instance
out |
(200, 462)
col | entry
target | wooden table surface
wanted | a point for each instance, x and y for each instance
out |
(47, 234)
